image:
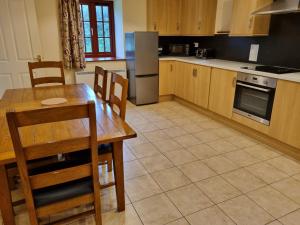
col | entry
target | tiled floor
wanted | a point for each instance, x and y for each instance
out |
(185, 168)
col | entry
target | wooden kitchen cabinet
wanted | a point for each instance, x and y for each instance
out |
(202, 85)
(164, 16)
(222, 90)
(198, 17)
(179, 81)
(243, 23)
(156, 16)
(285, 121)
(166, 77)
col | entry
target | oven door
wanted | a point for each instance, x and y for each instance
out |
(255, 102)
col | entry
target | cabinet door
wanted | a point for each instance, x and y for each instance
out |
(244, 23)
(178, 89)
(166, 77)
(222, 90)
(156, 16)
(198, 17)
(173, 11)
(202, 84)
(188, 82)
(285, 121)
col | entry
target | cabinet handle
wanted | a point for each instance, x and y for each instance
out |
(234, 82)
(171, 67)
(177, 27)
(250, 22)
(155, 26)
(195, 72)
(199, 25)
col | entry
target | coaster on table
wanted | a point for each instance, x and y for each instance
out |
(53, 101)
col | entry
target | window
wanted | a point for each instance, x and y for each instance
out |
(98, 27)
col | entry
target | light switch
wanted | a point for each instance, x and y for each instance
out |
(253, 53)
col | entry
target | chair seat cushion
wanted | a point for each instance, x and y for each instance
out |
(61, 192)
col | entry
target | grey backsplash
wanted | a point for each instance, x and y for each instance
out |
(280, 48)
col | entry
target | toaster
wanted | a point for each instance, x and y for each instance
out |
(205, 53)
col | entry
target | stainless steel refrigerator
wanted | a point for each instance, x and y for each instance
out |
(142, 67)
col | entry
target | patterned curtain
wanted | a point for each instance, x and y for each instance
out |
(72, 34)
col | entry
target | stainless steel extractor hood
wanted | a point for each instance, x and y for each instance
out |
(279, 7)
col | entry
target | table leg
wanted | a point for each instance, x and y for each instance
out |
(5, 199)
(119, 174)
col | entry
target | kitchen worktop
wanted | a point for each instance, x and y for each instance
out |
(234, 66)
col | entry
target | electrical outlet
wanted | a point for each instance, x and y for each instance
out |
(253, 53)
(196, 44)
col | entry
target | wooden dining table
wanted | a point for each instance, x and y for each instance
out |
(110, 129)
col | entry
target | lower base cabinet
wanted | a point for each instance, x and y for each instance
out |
(285, 121)
(166, 77)
(222, 90)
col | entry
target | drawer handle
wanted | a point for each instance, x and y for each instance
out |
(234, 82)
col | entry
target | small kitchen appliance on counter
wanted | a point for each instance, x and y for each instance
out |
(205, 53)
(179, 50)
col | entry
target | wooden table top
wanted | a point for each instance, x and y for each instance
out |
(110, 127)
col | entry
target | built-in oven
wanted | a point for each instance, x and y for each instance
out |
(254, 97)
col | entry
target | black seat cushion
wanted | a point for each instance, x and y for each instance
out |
(61, 192)
(85, 154)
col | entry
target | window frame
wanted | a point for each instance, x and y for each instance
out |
(93, 24)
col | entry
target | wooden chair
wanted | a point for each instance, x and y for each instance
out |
(61, 186)
(120, 103)
(99, 71)
(46, 80)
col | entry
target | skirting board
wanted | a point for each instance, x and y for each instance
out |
(283, 147)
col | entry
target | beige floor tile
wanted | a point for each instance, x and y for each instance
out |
(133, 169)
(218, 189)
(222, 146)
(179, 157)
(180, 121)
(197, 171)
(157, 135)
(266, 172)
(262, 152)
(164, 124)
(220, 164)
(291, 219)
(167, 145)
(181, 221)
(191, 128)
(273, 201)
(241, 141)
(210, 124)
(127, 154)
(206, 136)
(156, 210)
(243, 180)
(189, 199)
(156, 163)
(210, 216)
(144, 150)
(202, 151)
(244, 211)
(146, 127)
(141, 187)
(286, 165)
(135, 141)
(241, 158)
(274, 223)
(170, 179)
(129, 217)
(225, 132)
(187, 140)
(175, 132)
(289, 187)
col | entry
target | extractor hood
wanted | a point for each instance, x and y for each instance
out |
(279, 7)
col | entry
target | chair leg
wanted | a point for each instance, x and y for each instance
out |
(109, 166)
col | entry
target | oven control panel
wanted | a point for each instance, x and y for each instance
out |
(258, 80)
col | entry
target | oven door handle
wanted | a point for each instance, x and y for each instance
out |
(253, 87)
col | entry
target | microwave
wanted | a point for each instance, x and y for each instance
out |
(179, 49)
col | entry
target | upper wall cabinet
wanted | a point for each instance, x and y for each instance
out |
(198, 17)
(244, 23)
(164, 16)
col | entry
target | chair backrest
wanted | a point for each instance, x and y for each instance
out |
(115, 100)
(33, 182)
(99, 71)
(46, 80)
